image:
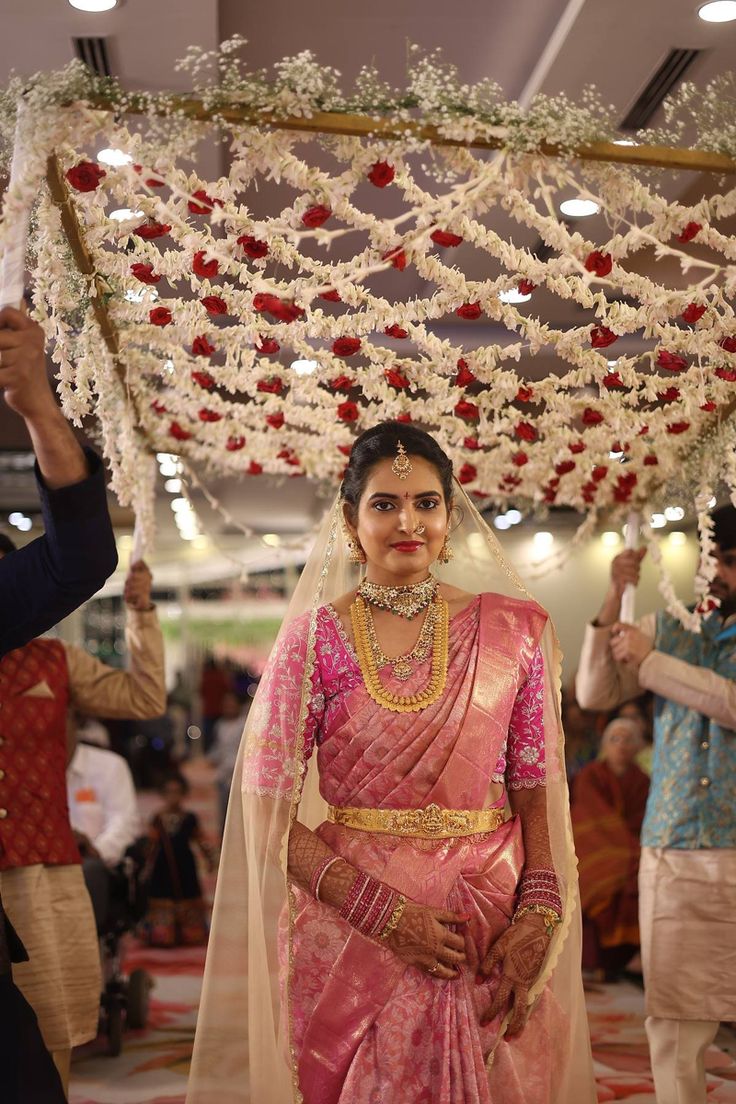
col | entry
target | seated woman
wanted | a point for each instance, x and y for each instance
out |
(608, 802)
(396, 912)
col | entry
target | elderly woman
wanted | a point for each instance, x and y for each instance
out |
(608, 801)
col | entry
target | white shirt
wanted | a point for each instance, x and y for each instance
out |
(102, 800)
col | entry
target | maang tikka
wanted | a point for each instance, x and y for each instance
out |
(402, 464)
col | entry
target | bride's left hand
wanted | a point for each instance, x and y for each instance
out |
(520, 952)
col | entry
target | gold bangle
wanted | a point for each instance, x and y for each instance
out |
(550, 917)
(394, 918)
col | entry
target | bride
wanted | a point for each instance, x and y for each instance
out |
(396, 917)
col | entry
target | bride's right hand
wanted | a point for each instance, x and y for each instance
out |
(423, 938)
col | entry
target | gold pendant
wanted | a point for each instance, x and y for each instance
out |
(402, 668)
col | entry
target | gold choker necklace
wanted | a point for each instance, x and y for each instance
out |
(404, 601)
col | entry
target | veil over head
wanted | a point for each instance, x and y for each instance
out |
(243, 1050)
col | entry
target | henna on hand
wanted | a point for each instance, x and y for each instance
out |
(306, 852)
(422, 938)
(520, 952)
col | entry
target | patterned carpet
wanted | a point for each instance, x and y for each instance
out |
(152, 1068)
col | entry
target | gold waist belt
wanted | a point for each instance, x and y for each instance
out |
(433, 822)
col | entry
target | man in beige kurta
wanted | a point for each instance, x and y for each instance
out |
(687, 874)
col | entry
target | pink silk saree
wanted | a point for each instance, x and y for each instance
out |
(366, 1028)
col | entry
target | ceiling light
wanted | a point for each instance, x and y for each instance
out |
(273, 540)
(579, 208)
(610, 538)
(502, 522)
(719, 11)
(178, 504)
(94, 5)
(678, 539)
(114, 157)
(674, 513)
(304, 367)
(543, 540)
(15, 517)
(513, 296)
(658, 521)
(124, 213)
(514, 516)
(173, 486)
(25, 524)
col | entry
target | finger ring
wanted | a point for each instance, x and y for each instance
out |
(435, 968)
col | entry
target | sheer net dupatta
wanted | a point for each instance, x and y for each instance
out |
(242, 1052)
(241, 1049)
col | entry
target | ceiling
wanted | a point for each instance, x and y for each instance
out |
(525, 45)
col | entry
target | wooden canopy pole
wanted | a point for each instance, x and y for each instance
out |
(362, 126)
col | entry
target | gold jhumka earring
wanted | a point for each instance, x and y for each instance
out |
(402, 464)
(446, 551)
(356, 555)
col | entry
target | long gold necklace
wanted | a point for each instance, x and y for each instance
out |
(403, 665)
(402, 703)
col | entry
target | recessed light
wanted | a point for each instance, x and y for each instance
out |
(579, 208)
(173, 486)
(94, 5)
(513, 296)
(674, 513)
(719, 11)
(25, 524)
(514, 516)
(502, 522)
(15, 517)
(610, 538)
(678, 538)
(543, 540)
(658, 521)
(114, 157)
(273, 540)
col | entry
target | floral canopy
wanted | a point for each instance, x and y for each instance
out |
(193, 318)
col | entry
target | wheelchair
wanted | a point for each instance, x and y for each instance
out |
(125, 1000)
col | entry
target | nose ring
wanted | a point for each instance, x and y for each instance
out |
(420, 529)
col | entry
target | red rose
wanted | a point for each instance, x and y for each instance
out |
(86, 176)
(709, 407)
(618, 447)
(396, 378)
(446, 238)
(160, 316)
(591, 417)
(650, 460)
(275, 421)
(348, 412)
(671, 361)
(464, 376)
(577, 446)
(403, 418)
(728, 343)
(691, 230)
(345, 449)
(526, 287)
(678, 427)
(316, 217)
(467, 473)
(727, 374)
(468, 410)
(341, 383)
(253, 247)
(519, 459)
(204, 379)
(469, 311)
(206, 415)
(265, 303)
(178, 432)
(601, 337)
(670, 395)
(272, 385)
(396, 331)
(155, 182)
(267, 346)
(599, 263)
(564, 467)
(346, 346)
(150, 230)
(693, 312)
(471, 443)
(205, 204)
(643, 431)
(525, 431)
(397, 257)
(213, 304)
(600, 471)
(144, 273)
(235, 444)
(524, 394)
(289, 456)
(158, 407)
(331, 296)
(202, 268)
(202, 347)
(613, 380)
(381, 174)
(254, 468)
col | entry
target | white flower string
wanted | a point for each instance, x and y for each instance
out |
(214, 303)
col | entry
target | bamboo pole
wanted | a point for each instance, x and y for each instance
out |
(362, 126)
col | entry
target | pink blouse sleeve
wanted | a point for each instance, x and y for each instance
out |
(525, 766)
(270, 759)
